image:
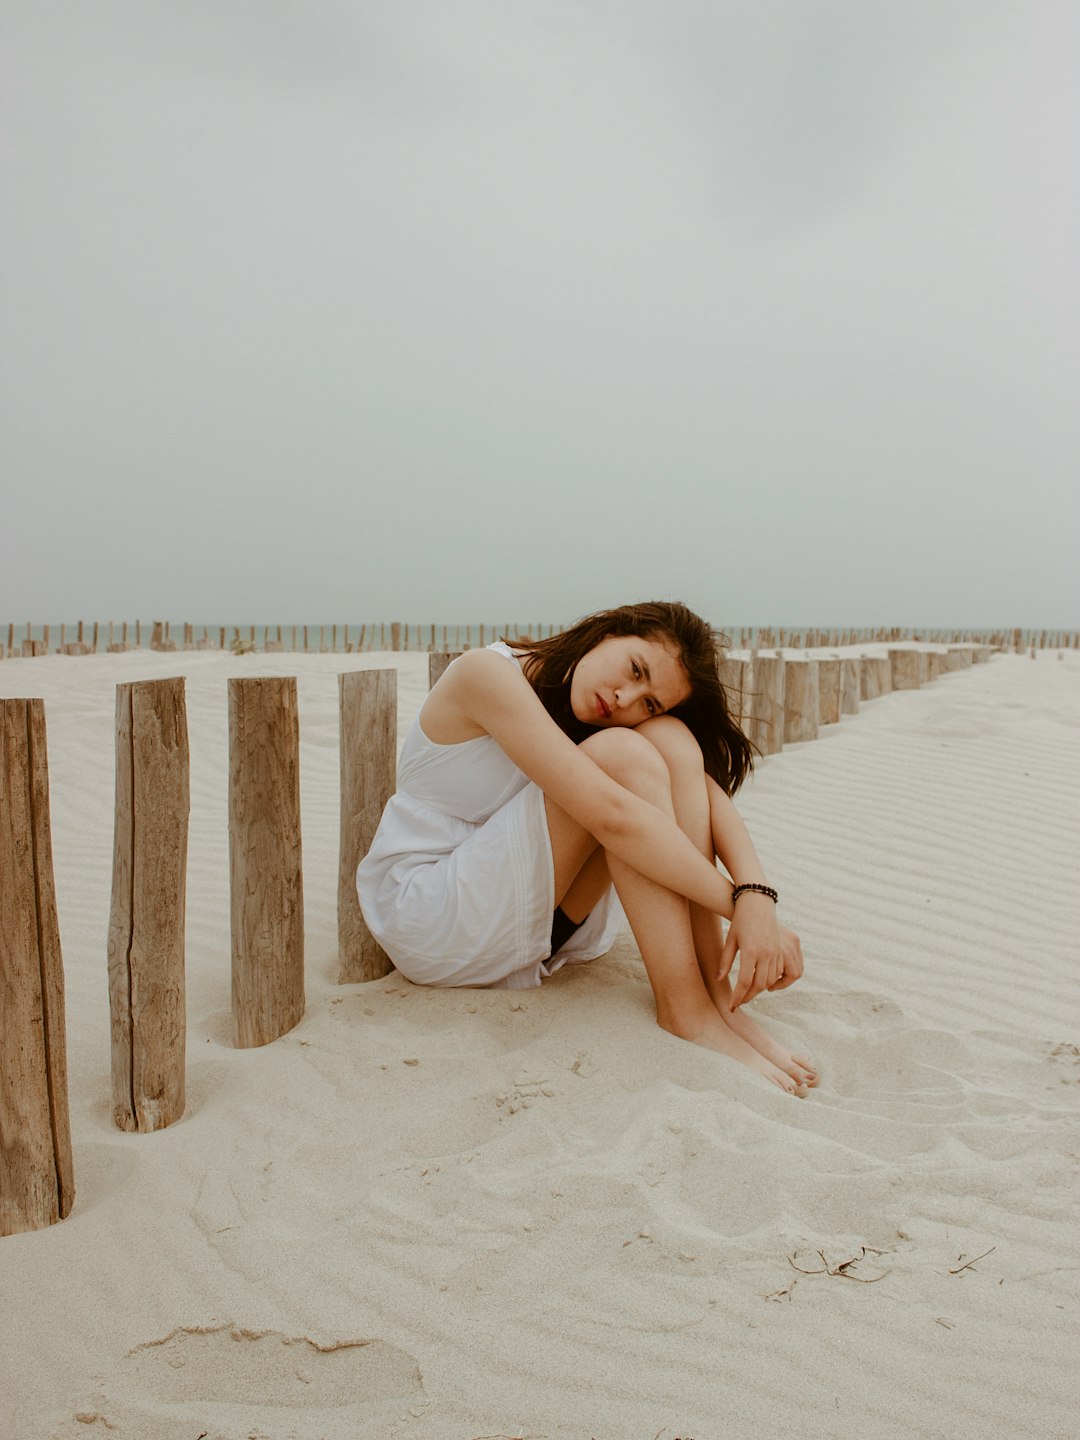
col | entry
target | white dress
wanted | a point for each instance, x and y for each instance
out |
(458, 886)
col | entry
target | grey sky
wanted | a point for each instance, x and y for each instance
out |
(333, 309)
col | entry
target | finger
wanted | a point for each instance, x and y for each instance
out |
(745, 983)
(727, 954)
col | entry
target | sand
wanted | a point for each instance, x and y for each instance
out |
(459, 1214)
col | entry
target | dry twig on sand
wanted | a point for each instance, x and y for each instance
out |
(843, 1269)
(967, 1265)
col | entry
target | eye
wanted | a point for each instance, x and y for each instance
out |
(651, 706)
(635, 669)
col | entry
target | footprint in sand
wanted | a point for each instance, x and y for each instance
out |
(264, 1367)
(208, 1378)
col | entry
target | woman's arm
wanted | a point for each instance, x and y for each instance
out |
(481, 694)
(770, 955)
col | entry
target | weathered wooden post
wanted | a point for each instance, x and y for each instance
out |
(37, 1185)
(395, 635)
(265, 867)
(875, 676)
(849, 685)
(767, 704)
(146, 923)
(957, 657)
(735, 678)
(801, 701)
(904, 669)
(368, 701)
(438, 660)
(829, 692)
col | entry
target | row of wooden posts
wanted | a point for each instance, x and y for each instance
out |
(778, 702)
(398, 636)
(242, 639)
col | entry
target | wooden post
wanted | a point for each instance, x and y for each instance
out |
(146, 923)
(801, 701)
(767, 704)
(265, 869)
(395, 635)
(368, 703)
(438, 660)
(957, 657)
(95, 637)
(849, 685)
(875, 676)
(37, 1185)
(904, 669)
(829, 692)
(735, 678)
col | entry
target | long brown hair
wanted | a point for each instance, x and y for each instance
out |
(550, 664)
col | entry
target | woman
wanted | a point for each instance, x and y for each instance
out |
(540, 778)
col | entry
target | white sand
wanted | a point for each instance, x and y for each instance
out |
(458, 1214)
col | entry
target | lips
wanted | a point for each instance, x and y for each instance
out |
(603, 710)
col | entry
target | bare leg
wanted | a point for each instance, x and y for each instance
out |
(659, 918)
(693, 812)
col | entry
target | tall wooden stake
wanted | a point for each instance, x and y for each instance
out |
(146, 923)
(802, 701)
(767, 704)
(368, 701)
(37, 1185)
(265, 868)
(904, 667)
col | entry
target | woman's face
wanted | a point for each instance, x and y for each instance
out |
(626, 679)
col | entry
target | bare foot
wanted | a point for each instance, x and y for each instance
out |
(712, 1031)
(801, 1070)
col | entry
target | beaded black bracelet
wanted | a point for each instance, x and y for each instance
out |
(759, 889)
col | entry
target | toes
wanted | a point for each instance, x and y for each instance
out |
(809, 1069)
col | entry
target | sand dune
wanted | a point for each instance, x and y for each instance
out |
(460, 1214)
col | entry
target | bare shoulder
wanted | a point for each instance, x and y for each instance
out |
(455, 710)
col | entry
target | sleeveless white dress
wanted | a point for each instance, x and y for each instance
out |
(458, 886)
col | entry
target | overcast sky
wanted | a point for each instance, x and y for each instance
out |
(449, 310)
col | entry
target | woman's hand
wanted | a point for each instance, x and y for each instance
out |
(791, 959)
(770, 956)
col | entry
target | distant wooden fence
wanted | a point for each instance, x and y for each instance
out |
(84, 638)
(778, 701)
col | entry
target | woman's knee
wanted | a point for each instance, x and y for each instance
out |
(628, 757)
(675, 742)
